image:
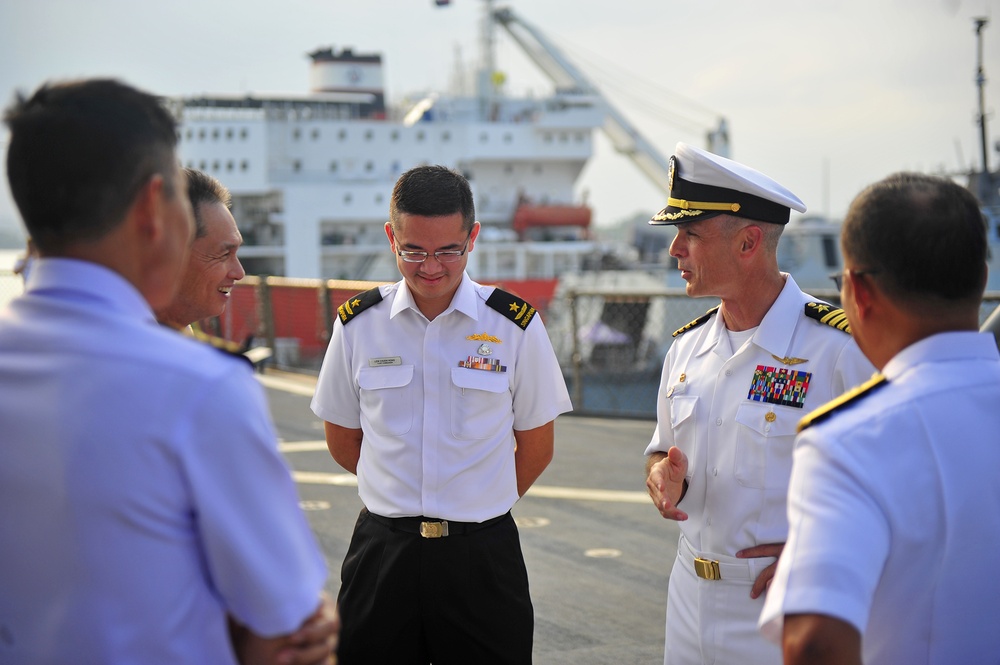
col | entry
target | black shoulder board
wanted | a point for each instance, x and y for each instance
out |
(515, 309)
(358, 303)
(828, 314)
(838, 403)
(697, 322)
(222, 344)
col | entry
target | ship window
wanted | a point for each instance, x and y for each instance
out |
(369, 166)
(342, 134)
(244, 165)
(446, 136)
(189, 134)
(378, 198)
(215, 134)
(508, 169)
(830, 251)
(201, 134)
(395, 135)
(190, 164)
(215, 165)
(229, 134)
(347, 198)
(296, 134)
(547, 137)
(537, 169)
(243, 133)
(484, 137)
(563, 138)
(507, 138)
(229, 165)
(369, 134)
(315, 134)
(201, 165)
(333, 167)
(297, 165)
(420, 136)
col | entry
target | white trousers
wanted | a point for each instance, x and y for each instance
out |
(715, 621)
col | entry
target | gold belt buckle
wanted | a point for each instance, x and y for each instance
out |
(434, 529)
(707, 569)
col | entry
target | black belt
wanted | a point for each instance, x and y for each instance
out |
(429, 527)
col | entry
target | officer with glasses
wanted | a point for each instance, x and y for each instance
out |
(440, 394)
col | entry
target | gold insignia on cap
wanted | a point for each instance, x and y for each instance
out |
(684, 204)
(671, 216)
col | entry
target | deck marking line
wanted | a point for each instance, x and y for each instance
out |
(539, 491)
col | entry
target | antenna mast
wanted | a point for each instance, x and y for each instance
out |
(981, 84)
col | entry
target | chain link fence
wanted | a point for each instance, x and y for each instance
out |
(610, 331)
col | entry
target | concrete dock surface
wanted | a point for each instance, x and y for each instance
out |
(598, 554)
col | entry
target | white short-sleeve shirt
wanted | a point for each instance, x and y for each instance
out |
(734, 413)
(894, 508)
(438, 401)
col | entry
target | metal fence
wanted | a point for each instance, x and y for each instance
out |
(610, 342)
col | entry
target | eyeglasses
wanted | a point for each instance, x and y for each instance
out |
(838, 277)
(443, 256)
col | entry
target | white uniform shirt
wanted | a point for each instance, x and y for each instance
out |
(895, 510)
(740, 450)
(142, 496)
(438, 437)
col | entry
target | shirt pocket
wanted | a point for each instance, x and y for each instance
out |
(764, 445)
(480, 404)
(385, 399)
(683, 424)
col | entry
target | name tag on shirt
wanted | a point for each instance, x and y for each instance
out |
(385, 362)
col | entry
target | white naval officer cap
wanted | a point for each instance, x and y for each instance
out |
(703, 185)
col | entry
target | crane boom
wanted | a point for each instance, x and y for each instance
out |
(625, 137)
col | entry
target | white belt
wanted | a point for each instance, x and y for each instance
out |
(719, 567)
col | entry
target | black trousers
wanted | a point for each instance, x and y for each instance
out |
(455, 600)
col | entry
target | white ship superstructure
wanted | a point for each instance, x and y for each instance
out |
(312, 174)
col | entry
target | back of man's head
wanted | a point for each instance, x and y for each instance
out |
(79, 153)
(921, 237)
(203, 189)
(432, 191)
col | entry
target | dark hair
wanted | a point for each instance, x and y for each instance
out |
(925, 237)
(203, 188)
(79, 153)
(432, 191)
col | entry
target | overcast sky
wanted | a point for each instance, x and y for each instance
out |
(825, 97)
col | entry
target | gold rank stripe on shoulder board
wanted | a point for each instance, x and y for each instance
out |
(358, 303)
(828, 314)
(697, 322)
(836, 404)
(512, 307)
